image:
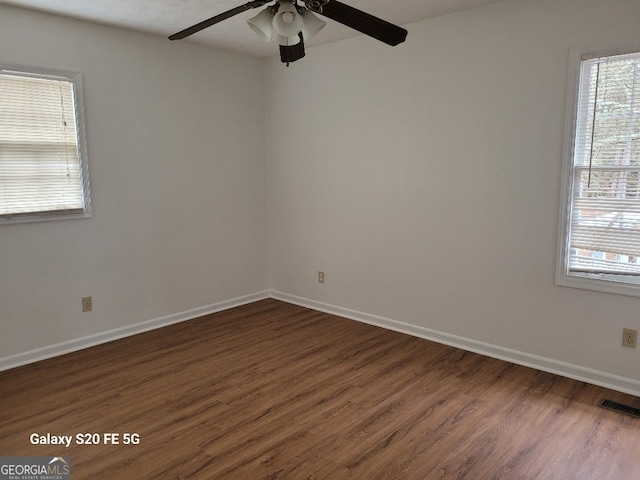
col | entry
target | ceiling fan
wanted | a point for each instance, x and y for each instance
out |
(289, 24)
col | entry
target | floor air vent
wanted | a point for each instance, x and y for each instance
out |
(620, 407)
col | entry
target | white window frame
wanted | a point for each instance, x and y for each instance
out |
(75, 79)
(610, 283)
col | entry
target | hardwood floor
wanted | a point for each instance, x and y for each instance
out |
(275, 391)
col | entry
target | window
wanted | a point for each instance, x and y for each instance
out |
(43, 164)
(600, 225)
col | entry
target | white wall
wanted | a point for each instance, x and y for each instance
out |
(424, 180)
(176, 156)
(364, 145)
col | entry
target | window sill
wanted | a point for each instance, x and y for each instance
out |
(43, 217)
(605, 283)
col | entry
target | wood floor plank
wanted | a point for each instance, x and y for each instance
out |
(274, 391)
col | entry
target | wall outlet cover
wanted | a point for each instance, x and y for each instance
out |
(629, 338)
(87, 304)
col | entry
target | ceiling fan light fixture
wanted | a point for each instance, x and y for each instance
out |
(262, 24)
(311, 25)
(287, 22)
(285, 41)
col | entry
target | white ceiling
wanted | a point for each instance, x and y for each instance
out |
(165, 17)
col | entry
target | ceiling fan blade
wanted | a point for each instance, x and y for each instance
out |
(363, 22)
(218, 18)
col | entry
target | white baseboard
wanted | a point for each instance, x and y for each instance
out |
(50, 351)
(576, 372)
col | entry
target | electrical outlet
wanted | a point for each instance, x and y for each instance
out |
(87, 304)
(320, 277)
(629, 338)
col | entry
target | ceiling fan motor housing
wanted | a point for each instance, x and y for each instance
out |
(315, 5)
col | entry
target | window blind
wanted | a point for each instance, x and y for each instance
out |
(39, 160)
(605, 214)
